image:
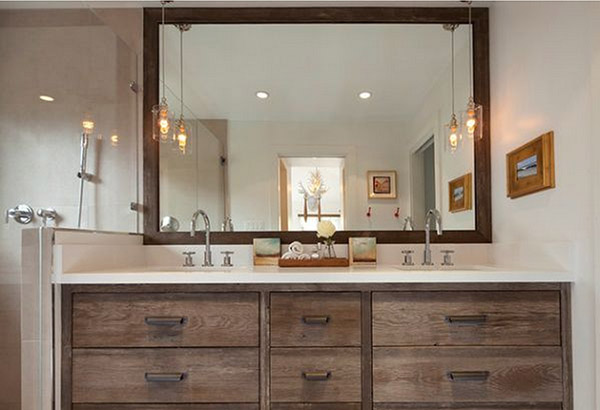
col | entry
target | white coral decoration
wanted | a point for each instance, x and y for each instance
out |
(325, 229)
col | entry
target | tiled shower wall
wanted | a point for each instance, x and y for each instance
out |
(75, 56)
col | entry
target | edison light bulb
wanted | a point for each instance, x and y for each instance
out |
(163, 121)
(453, 138)
(182, 138)
(88, 126)
(471, 122)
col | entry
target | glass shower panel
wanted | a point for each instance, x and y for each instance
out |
(74, 59)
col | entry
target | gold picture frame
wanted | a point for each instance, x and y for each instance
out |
(381, 184)
(460, 193)
(530, 168)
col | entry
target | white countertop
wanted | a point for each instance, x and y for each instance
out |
(354, 274)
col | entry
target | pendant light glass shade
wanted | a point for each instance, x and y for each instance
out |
(453, 135)
(472, 120)
(162, 122)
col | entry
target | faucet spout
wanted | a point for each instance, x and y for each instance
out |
(207, 251)
(437, 220)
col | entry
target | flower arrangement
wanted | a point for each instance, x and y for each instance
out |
(325, 231)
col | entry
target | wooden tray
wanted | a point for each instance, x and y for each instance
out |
(314, 263)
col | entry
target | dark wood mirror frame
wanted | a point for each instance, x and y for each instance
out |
(308, 15)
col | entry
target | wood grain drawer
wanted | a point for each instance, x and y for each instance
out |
(449, 406)
(165, 375)
(315, 319)
(187, 406)
(165, 320)
(466, 318)
(316, 406)
(315, 375)
(475, 374)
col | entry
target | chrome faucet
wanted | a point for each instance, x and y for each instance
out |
(207, 253)
(438, 223)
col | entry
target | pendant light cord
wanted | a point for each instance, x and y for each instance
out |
(181, 66)
(452, 47)
(470, 51)
(163, 49)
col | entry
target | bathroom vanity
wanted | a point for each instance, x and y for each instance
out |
(320, 346)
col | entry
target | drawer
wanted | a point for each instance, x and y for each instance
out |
(316, 406)
(466, 318)
(315, 319)
(196, 406)
(165, 320)
(445, 406)
(165, 375)
(475, 374)
(315, 375)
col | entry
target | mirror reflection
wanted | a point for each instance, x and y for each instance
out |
(289, 124)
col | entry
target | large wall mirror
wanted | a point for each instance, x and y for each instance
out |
(301, 115)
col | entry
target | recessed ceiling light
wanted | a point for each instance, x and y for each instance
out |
(263, 95)
(46, 98)
(365, 95)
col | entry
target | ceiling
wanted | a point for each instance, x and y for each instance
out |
(312, 72)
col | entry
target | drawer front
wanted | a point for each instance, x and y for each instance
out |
(315, 375)
(315, 319)
(452, 374)
(446, 406)
(165, 375)
(196, 406)
(316, 406)
(165, 320)
(466, 318)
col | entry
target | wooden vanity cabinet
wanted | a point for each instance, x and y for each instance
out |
(316, 347)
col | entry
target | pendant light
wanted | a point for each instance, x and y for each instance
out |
(181, 130)
(453, 137)
(472, 117)
(162, 118)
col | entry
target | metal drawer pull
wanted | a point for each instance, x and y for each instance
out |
(315, 320)
(164, 377)
(316, 376)
(468, 376)
(166, 321)
(477, 320)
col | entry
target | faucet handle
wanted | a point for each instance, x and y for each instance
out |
(227, 258)
(408, 261)
(447, 257)
(189, 260)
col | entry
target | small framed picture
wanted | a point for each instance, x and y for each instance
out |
(382, 184)
(362, 251)
(530, 168)
(266, 251)
(460, 193)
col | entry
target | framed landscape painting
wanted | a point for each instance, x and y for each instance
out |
(530, 168)
(460, 193)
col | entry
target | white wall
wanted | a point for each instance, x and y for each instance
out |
(254, 149)
(543, 56)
